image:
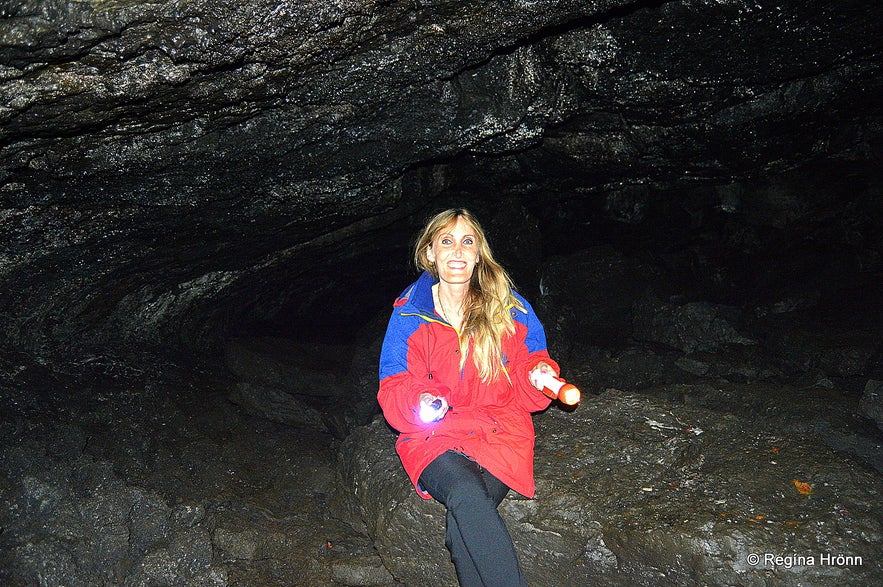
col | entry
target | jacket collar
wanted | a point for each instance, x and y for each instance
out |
(418, 297)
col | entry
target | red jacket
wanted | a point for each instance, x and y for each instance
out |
(489, 422)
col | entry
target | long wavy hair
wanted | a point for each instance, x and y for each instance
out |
(486, 309)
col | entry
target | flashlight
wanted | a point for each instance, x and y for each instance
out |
(557, 388)
(433, 411)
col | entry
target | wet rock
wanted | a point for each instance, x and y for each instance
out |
(635, 367)
(406, 529)
(170, 170)
(75, 521)
(154, 487)
(641, 491)
(726, 366)
(823, 412)
(176, 175)
(361, 380)
(799, 350)
(361, 571)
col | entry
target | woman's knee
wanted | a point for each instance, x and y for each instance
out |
(469, 492)
(453, 476)
(497, 490)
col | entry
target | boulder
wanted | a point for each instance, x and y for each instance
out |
(298, 368)
(74, 521)
(637, 491)
(587, 297)
(693, 326)
(305, 384)
(277, 406)
(151, 487)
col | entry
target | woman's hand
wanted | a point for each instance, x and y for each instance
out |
(541, 369)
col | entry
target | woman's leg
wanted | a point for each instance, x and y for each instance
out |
(467, 572)
(480, 545)
(497, 490)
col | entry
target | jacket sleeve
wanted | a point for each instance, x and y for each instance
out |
(530, 349)
(401, 379)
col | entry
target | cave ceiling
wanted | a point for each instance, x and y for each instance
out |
(171, 169)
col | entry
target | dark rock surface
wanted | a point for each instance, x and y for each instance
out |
(321, 386)
(168, 485)
(680, 479)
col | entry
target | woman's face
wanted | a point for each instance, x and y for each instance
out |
(454, 251)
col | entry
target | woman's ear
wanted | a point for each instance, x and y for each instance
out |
(430, 254)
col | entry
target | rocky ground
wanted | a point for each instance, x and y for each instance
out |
(168, 482)
(161, 484)
(637, 489)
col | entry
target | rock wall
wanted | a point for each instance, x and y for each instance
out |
(169, 169)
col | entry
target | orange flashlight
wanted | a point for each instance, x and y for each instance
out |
(557, 388)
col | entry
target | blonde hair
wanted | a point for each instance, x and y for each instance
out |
(486, 317)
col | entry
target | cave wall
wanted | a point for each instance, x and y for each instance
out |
(175, 173)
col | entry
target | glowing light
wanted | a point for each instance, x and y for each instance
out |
(434, 411)
(569, 395)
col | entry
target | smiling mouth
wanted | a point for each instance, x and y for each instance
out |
(457, 264)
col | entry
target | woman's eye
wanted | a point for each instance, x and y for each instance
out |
(467, 241)
(446, 241)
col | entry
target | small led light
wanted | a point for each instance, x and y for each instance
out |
(432, 412)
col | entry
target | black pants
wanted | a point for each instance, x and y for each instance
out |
(476, 535)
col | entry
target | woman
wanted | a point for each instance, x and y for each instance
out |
(457, 371)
